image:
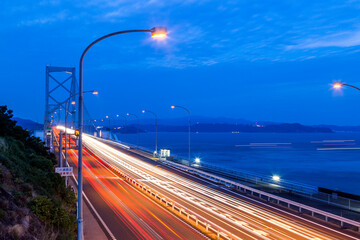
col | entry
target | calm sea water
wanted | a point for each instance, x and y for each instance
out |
(318, 159)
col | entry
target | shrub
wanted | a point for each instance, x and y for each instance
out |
(42, 206)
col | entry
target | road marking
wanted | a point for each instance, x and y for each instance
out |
(164, 224)
(96, 213)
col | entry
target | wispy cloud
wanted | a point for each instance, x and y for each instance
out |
(45, 20)
(341, 40)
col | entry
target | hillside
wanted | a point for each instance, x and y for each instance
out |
(34, 202)
(28, 124)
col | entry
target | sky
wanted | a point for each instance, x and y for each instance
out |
(251, 59)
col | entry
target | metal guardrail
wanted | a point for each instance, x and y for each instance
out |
(261, 179)
(304, 190)
(302, 208)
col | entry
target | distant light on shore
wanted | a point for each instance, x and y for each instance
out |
(276, 178)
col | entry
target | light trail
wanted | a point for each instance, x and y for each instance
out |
(238, 217)
(127, 212)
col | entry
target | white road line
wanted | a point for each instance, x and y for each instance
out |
(96, 213)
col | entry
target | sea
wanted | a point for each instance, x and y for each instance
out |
(329, 160)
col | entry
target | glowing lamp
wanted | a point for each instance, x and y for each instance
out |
(73, 102)
(276, 178)
(143, 111)
(197, 160)
(159, 32)
(95, 92)
(337, 85)
(173, 106)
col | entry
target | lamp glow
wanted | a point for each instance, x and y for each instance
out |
(159, 32)
(172, 106)
(73, 102)
(337, 85)
(95, 92)
(276, 178)
(197, 160)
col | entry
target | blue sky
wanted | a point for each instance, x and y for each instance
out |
(258, 60)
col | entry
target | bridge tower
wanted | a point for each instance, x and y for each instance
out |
(60, 85)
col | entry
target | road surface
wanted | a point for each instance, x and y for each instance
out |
(126, 212)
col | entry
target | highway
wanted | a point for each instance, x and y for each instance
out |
(239, 217)
(126, 212)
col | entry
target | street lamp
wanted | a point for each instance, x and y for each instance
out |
(109, 127)
(137, 128)
(125, 121)
(339, 85)
(156, 120)
(156, 32)
(95, 92)
(174, 106)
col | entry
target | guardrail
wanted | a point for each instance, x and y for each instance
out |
(270, 197)
(261, 179)
(205, 226)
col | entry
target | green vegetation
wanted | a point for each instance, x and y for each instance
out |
(34, 202)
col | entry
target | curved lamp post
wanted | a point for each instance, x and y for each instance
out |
(137, 128)
(339, 85)
(156, 120)
(156, 32)
(95, 92)
(174, 106)
(108, 118)
(125, 121)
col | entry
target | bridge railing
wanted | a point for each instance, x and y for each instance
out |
(260, 179)
(302, 208)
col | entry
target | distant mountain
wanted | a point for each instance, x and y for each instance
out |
(341, 128)
(222, 127)
(28, 124)
(194, 120)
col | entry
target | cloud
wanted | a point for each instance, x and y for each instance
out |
(45, 20)
(340, 40)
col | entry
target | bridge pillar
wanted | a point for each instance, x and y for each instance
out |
(58, 80)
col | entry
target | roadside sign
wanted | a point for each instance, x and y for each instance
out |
(64, 171)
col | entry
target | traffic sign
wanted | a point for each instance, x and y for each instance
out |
(64, 171)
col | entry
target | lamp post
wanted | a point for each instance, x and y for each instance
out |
(125, 120)
(339, 85)
(137, 127)
(156, 32)
(174, 106)
(107, 117)
(156, 120)
(95, 92)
